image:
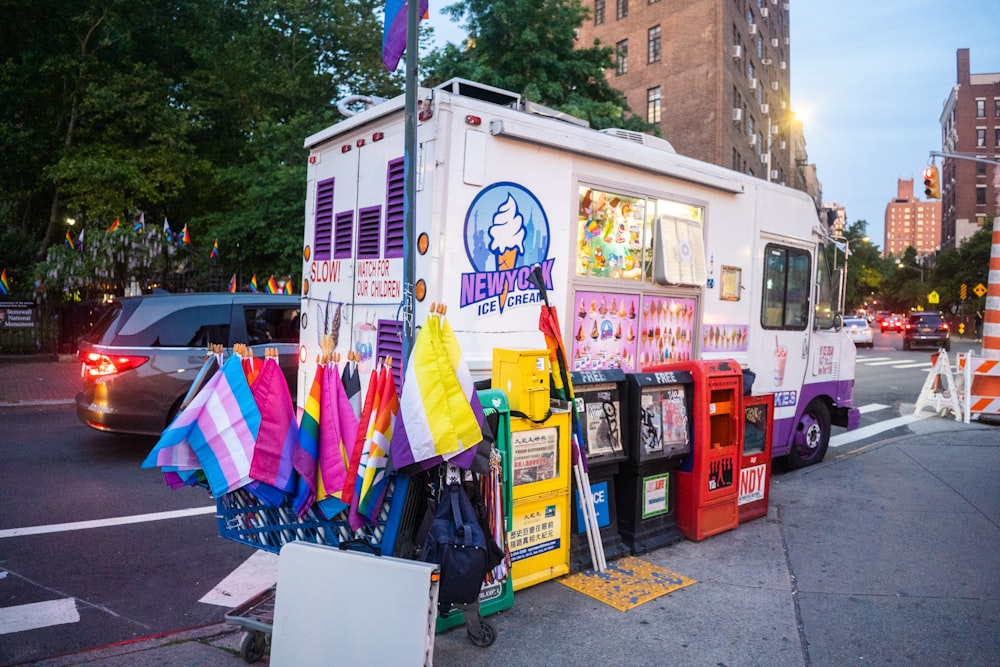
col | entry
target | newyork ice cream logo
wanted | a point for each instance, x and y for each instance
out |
(506, 235)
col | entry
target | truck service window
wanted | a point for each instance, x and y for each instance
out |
(786, 288)
(616, 238)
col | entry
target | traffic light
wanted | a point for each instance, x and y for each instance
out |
(932, 184)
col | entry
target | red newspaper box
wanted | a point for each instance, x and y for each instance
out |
(707, 480)
(755, 464)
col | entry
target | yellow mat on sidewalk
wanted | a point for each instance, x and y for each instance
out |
(627, 583)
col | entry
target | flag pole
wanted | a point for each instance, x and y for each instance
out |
(410, 178)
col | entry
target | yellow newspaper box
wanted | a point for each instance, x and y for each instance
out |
(524, 375)
(540, 520)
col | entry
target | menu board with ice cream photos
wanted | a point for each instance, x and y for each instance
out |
(605, 331)
(665, 330)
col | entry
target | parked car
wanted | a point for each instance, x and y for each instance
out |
(141, 357)
(859, 331)
(891, 323)
(926, 329)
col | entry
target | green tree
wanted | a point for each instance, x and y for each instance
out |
(192, 111)
(529, 46)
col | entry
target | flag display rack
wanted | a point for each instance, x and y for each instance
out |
(245, 519)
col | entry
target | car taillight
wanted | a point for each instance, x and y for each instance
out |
(944, 326)
(96, 364)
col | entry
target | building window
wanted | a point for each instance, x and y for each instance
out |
(760, 46)
(736, 160)
(621, 50)
(653, 49)
(654, 100)
(980, 195)
(981, 168)
(996, 107)
(598, 12)
(980, 137)
(621, 9)
(750, 69)
(996, 131)
(980, 108)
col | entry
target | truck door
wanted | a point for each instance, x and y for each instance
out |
(784, 317)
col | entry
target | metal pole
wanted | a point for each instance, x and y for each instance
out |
(410, 177)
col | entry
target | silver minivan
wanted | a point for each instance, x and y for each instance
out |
(142, 355)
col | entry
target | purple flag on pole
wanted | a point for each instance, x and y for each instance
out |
(394, 31)
(278, 435)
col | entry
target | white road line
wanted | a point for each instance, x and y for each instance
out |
(38, 615)
(874, 429)
(867, 359)
(872, 407)
(883, 363)
(916, 364)
(103, 523)
(257, 573)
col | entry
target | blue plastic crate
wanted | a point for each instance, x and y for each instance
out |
(243, 518)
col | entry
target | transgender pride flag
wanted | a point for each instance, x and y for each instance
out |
(220, 426)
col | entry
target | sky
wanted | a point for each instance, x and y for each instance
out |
(869, 78)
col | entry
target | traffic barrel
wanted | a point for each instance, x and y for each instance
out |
(991, 316)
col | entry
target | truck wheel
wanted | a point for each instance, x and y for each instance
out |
(811, 437)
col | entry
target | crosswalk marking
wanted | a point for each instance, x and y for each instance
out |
(38, 615)
(882, 363)
(874, 429)
(872, 407)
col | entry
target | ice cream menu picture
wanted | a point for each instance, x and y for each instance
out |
(665, 330)
(605, 331)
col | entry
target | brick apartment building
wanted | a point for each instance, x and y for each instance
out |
(911, 222)
(970, 126)
(713, 75)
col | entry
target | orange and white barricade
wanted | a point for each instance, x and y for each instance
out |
(940, 391)
(984, 388)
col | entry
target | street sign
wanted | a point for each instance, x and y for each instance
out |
(963, 292)
(934, 297)
(979, 289)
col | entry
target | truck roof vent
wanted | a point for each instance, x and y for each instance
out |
(480, 91)
(641, 138)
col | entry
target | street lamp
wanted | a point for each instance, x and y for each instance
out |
(899, 264)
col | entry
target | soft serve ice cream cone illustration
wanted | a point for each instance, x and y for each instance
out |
(507, 240)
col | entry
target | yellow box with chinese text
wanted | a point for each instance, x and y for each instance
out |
(539, 539)
(540, 455)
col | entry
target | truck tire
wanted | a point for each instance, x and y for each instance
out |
(811, 438)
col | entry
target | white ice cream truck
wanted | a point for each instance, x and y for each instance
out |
(647, 255)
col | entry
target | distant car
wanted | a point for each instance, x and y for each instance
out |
(859, 331)
(891, 323)
(141, 357)
(926, 329)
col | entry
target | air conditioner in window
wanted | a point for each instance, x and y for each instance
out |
(787, 40)
(784, 105)
(737, 51)
(774, 174)
(753, 139)
(765, 108)
(774, 85)
(753, 28)
(783, 65)
(783, 145)
(763, 12)
(774, 42)
(737, 115)
(765, 61)
(775, 129)
(753, 84)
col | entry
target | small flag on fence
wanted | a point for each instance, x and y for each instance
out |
(215, 250)
(4, 285)
(232, 283)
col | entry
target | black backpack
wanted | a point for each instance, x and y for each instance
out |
(457, 542)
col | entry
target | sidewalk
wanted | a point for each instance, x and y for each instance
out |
(884, 555)
(39, 380)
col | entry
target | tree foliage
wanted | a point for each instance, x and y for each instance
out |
(529, 47)
(193, 111)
